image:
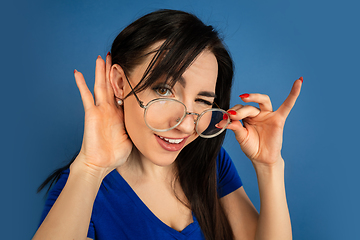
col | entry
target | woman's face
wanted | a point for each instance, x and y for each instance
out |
(196, 90)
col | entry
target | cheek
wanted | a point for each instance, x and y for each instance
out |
(134, 120)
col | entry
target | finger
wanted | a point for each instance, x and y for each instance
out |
(239, 113)
(239, 130)
(100, 85)
(236, 107)
(262, 99)
(86, 96)
(289, 102)
(109, 89)
(236, 126)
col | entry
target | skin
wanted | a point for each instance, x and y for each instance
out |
(148, 168)
(260, 138)
(204, 70)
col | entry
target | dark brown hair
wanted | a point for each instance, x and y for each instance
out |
(184, 37)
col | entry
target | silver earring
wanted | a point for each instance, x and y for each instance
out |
(120, 102)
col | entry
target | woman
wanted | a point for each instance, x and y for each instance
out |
(151, 163)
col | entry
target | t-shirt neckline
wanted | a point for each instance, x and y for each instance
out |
(146, 211)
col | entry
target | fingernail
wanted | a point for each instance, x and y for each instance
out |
(301, 79)
(225, 117)
(99, 57)
(108, 54)
(75, 71)
(218, 126)
(245, 95)
(232, 112)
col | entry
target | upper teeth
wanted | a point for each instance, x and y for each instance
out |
(172, 140)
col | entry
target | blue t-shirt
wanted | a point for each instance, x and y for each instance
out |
(118, 213)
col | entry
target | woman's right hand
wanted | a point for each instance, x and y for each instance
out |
(106, 144)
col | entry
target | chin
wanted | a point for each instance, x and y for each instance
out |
(167, 157)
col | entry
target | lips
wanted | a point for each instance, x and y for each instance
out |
(171, 140)
(171, 144)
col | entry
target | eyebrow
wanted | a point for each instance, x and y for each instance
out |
(202, 93)
(207, 94)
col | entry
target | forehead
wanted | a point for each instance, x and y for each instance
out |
(203, 70)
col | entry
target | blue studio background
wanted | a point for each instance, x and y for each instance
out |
(272, 43)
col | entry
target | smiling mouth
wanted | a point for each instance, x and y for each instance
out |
(172, 140)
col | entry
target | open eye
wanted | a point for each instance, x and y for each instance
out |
(163, 91)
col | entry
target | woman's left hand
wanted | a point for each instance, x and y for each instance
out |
(260, 136)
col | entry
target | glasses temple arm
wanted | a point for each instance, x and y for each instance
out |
(132, 90)
(217, 105)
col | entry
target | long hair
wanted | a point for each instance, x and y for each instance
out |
(184, 37)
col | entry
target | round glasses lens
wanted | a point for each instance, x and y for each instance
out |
(164, 114)
(209, 123)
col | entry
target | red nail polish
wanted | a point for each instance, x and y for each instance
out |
(108, 54)
(75, 71)
(301, 79)
(245, 95)
(99, 57)
(225, 117)
(232, 112)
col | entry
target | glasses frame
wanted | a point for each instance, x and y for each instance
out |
(186, 113)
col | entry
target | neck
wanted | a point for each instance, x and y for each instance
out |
(139, 167)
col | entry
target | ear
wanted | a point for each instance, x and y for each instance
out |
(118, 80)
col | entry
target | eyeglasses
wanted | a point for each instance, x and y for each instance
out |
(165, 114)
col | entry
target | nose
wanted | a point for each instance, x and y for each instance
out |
(187, 125)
